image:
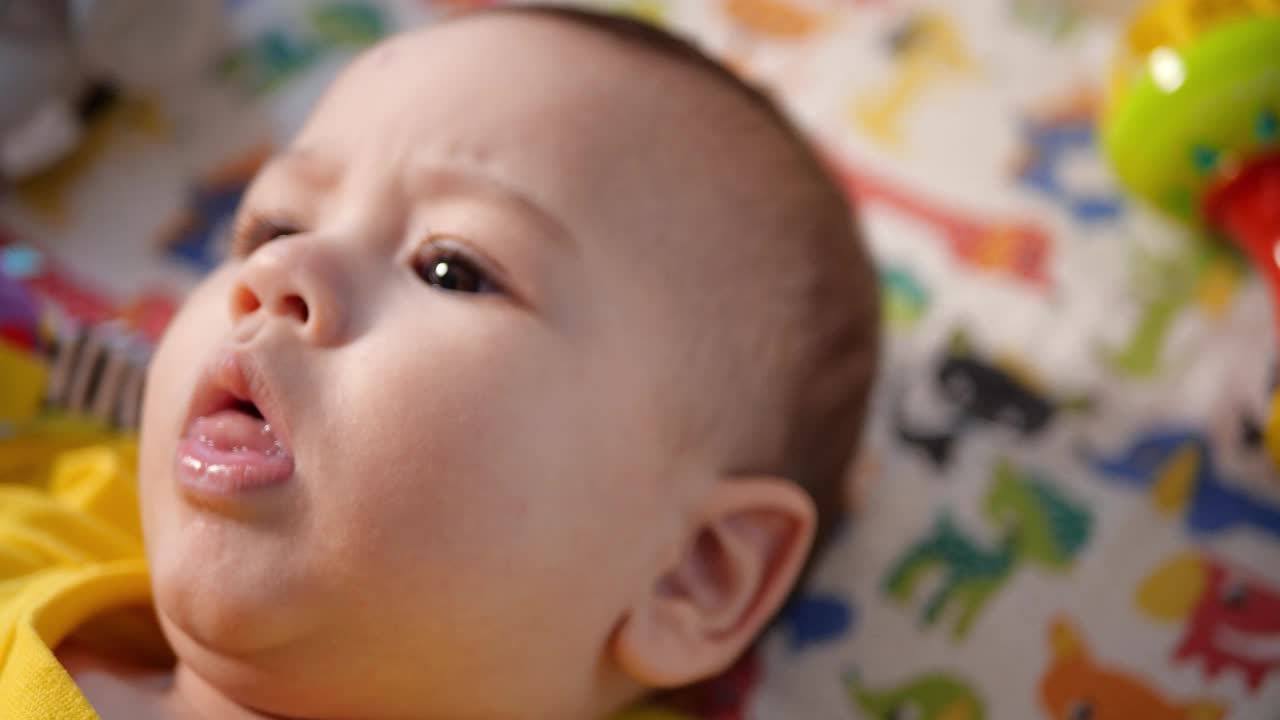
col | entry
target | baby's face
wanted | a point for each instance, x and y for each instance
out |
(449, 305)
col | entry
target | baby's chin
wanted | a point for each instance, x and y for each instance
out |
(226, 588)
(249, 631)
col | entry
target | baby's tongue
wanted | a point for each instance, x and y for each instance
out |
(233, 431)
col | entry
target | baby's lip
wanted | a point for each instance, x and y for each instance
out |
(231, 381)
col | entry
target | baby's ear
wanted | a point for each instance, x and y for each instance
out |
(736, 567)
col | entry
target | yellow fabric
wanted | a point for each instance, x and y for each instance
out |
(23, 378)
(70, 551)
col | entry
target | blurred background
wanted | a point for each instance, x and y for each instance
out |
(1064, 492)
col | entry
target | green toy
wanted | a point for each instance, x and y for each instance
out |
(933, 696)
(1193, 126)
(1036, 526)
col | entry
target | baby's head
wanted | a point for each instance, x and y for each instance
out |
(534, 375)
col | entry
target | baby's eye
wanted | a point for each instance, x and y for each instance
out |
(255, 231)
(450, 270)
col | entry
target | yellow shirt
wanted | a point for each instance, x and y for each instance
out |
(71, 554)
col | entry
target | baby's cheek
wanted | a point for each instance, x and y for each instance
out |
(171, 378)
(200, 324)
(187, 343)
(473, 453)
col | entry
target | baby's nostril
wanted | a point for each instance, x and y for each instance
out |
(244, 301)
(297, 307)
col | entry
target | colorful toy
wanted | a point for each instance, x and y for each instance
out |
(905, 298)
(777, 19)
(22, 380)
(982, 392)
(1178, 469)
(1232, 618)
(1038, 527)
(67, 348)
(814, 618)
(1076, 686)
(1054, 137)
(932, 696)
(1007, 247)
(23, 375)
(927, 50)
(198, 235)
(48, 193)
(270, 59)
(1193, 126)
(1201, 276)
(62, 62)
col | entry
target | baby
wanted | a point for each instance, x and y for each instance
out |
(529, 390)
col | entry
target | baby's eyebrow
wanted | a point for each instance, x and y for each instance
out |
(313, 167)
(427, 179)
(433, 179)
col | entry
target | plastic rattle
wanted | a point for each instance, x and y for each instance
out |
(1193, 127)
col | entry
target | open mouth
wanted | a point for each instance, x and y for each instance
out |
(245, 407)
(232, 388)
(230, 443)
(239, 427)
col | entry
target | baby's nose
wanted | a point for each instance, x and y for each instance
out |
(292, 280)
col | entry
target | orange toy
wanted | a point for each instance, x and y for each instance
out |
(1075, 686)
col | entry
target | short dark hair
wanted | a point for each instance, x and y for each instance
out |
(837, 357)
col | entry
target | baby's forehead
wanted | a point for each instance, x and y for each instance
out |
(533, 71)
